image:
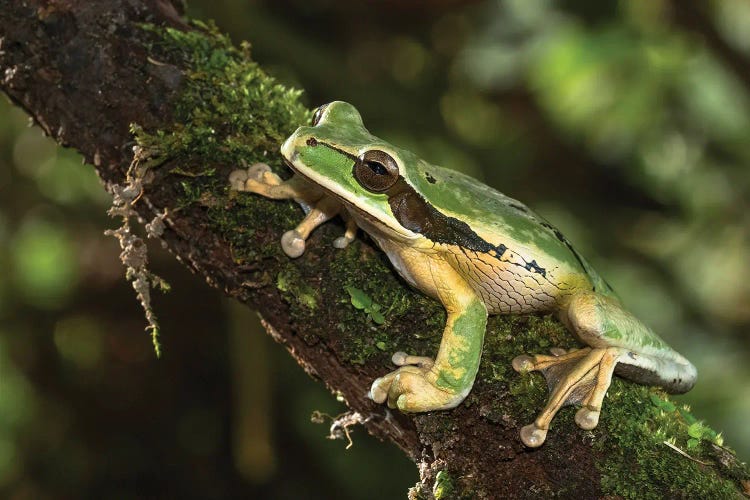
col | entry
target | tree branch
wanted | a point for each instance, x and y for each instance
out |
(87, 70)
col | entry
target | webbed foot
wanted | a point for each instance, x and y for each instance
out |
(577, 376)
(412, 388)
(255, 179)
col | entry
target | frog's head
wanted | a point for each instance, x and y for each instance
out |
(366, 173)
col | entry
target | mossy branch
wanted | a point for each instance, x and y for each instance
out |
(198, 107)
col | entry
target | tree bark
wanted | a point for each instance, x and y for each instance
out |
(86, 70)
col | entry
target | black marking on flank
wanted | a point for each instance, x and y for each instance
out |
(312, 142)
(557, 232)
(536, 268)
(414, 213)
(520, 208)
(430, 178)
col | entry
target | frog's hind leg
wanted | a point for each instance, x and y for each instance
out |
(617, 340)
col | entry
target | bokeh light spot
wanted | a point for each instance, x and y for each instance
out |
(78, 339)
(45, 267)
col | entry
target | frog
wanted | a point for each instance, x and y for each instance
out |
(479, 253)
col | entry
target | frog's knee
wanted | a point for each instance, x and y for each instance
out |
(583, 314)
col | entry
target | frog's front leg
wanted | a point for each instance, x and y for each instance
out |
(320, 208)
(421, 384)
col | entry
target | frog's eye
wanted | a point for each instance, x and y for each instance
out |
(318, 114)
(376, 171)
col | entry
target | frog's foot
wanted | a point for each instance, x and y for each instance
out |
(412, 388)
(319, 208)
(577, 376)
(259, 179)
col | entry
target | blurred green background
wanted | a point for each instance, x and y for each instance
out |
(626, 123)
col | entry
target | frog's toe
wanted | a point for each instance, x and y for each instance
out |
(257, 171)
(380, 387)
(344, 240)
(587, 418)
(400, 358)
(293, 243)
(533, 436)
(410, 403)
(383, 386)
(377, 393)
(412, 389)
(405, 388)
(237, 179)
(523, 363)
(340, 242)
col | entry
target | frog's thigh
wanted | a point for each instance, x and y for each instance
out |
(424, 385)
(602, 322)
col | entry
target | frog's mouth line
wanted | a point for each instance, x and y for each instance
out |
(312, 181)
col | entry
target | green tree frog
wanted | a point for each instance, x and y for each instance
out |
(478, 252)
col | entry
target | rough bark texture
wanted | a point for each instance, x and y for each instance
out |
(86, 70)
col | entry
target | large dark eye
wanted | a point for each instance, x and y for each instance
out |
(376, 171)
(318, 114)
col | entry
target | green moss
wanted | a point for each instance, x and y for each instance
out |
(649, 430)
(444, 487)
(231, 113)
(229, 109)
(360, 338)
(290, 281)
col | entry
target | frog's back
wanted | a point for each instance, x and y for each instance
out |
(509, 235)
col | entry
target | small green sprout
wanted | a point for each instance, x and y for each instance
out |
(699, 431)
(360, 300)
(443, 487)
(663, 404)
